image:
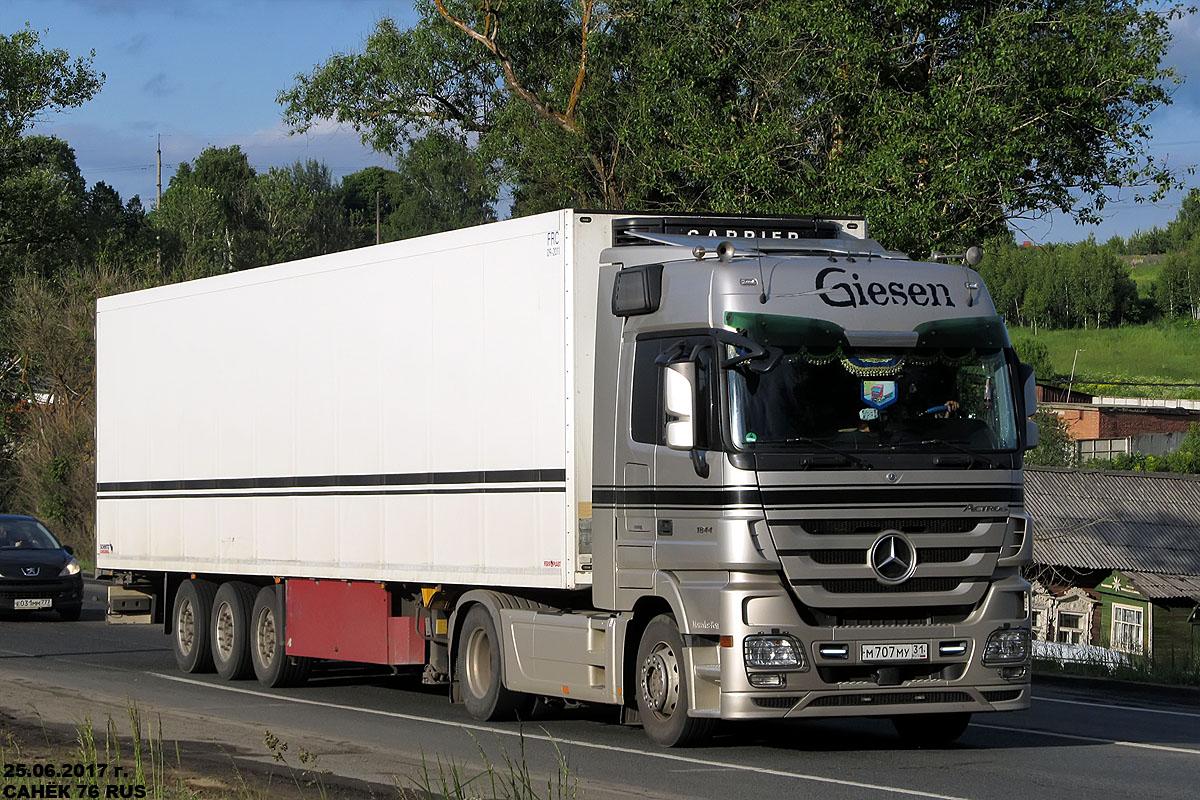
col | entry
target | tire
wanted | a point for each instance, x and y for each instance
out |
(69, 613)
(479, 671)
(268, 653)
(662, 688)
(190, 614)
(229, 630)
(931, 730)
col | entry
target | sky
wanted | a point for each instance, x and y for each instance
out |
(206, 72)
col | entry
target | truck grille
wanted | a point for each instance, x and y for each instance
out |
(872, 586)
(891, 617)
(925, 555)
(892, 698)
(775, 702)
(826, 560)
(842, 527)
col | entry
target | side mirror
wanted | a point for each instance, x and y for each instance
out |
(679, 400)
(1029, 403)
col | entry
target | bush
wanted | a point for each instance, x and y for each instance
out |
(1054, 447)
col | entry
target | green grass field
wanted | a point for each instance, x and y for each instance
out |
(1144, 270)
(1146, 353)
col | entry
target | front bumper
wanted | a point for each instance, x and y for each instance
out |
(946, 681)
(61, 592)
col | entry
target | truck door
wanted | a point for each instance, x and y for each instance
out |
(668, 494)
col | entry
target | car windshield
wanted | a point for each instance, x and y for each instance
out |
(920, 398)
(25, 534)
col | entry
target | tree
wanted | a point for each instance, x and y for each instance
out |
(1054, 448)
(298, 213)
(207, 211)
(1176, 291)
(34, 81)
(1035, 354)
(439, 184)
(940, 122)
(50, 324)
(42, 197)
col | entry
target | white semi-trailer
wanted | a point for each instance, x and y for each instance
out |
(696, 468)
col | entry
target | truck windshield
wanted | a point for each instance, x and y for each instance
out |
(921, 398)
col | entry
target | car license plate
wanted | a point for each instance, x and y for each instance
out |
(32, 602)
(898, 651)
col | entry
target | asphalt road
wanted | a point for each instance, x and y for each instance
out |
(1078, 740)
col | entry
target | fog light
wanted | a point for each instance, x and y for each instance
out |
(834, 650)
(765, 679)
(1007, 645)
(1013, 673)
(773, 651)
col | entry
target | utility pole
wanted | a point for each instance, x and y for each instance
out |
(1071, 383)
(158, 196)
(377, 216)
(157, 205)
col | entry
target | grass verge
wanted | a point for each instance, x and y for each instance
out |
(134, 759)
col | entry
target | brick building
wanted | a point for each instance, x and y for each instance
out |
(1092, 421)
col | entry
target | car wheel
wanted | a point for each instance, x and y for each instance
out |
(662, 687)
(931, 730)
(230, 630)
(268, 654)
(189, 625)
(479, 671)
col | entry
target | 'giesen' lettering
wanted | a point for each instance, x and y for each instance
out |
(875, 293)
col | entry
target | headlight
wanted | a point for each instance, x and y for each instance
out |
(1007, 646)
(774, 652)
(70, 568)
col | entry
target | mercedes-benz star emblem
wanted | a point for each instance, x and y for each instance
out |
(893, 558)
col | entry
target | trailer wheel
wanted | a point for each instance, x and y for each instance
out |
(479, 675)
(662, 687)
(268, 653)
(931, 730)
(230, 632)
(189, 630)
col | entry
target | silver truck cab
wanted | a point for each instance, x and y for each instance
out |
(808, 480)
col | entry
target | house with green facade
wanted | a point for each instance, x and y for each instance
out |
(1117, 561)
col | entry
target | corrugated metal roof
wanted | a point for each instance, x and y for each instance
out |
(1141, 522)
(1155, 585)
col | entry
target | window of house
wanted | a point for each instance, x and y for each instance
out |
(1127, 633)
(1035, 618)
(1070, 628)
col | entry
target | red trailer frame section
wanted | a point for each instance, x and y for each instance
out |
(349, 621)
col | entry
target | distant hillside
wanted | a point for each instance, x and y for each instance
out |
(1158, 353)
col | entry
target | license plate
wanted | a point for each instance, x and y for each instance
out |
(899, 651)
(32, 602)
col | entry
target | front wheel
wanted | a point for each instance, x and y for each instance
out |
(479, 673)
(662, 687)
(931, 730)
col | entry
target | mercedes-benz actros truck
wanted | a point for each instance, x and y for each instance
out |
(692, 467)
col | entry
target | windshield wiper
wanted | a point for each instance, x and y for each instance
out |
(850, 458)
(943, 461)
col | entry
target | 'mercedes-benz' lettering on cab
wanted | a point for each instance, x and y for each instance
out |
(877, 293)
